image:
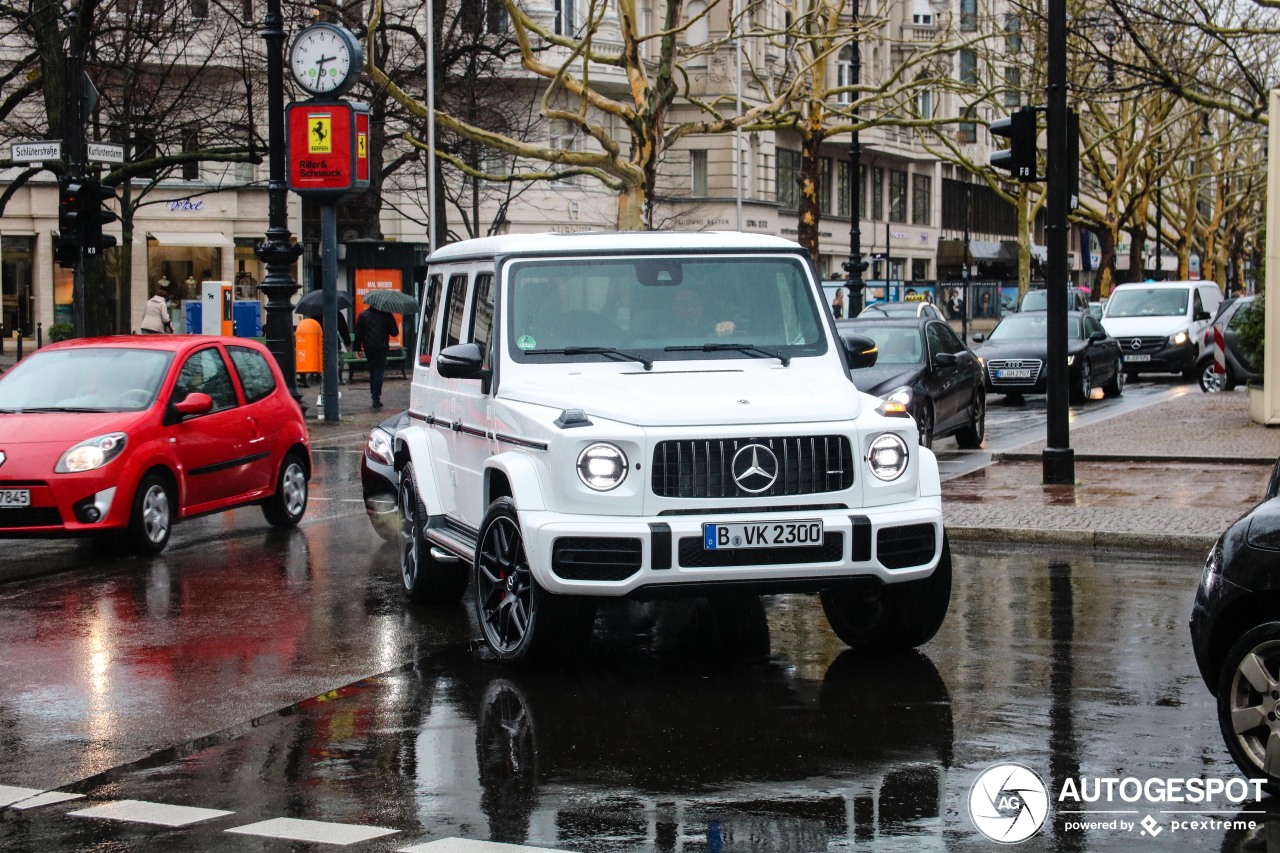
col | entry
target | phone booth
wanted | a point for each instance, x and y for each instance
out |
(217, 313)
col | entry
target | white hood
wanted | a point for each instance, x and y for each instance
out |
(1124, 328)
(686, 394)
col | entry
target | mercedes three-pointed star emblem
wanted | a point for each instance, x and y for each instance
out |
(755, 468)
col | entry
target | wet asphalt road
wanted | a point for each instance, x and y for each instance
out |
(274, 675)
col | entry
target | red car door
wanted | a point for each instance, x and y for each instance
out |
(215, 449)
(264, 410)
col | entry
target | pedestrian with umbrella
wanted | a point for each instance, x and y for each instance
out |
(375, 327)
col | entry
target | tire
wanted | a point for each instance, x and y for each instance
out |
(521, 622)
(1084, 386)
(1115, 387)
(288, 503)
(1248, 692)
(970, 437)
(925, 424)
(427, 579)
(893, 617)
(151, 520)
(1210, 382)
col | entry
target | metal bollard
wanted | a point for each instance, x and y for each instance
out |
(39, 334)
(1, 339)
(19, 345)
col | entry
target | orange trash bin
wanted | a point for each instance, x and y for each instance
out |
(307, 347)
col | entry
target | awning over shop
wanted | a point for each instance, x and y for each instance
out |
(987, 250)
(190, 238)
(950, 253)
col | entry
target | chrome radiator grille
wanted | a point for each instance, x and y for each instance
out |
(704, 468)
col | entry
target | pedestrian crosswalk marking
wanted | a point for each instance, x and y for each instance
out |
(140, 811)
(470, 845)
(47, 798)
(10, 794)
(312, 830)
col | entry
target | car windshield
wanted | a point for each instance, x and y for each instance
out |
(895, 344)
(1034, 301)
(662, 309)
(1148, 302)
(1028, 327)
(85, 379)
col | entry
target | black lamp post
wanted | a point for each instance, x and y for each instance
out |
(278, 252)
(855, 266)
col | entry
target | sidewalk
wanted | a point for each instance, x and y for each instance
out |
(1171, 476)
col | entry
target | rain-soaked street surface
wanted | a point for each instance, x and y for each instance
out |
(266, 676)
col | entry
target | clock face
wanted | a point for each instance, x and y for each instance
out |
(325, 59)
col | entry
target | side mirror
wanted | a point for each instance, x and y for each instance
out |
(462, 361)
(945, 359)
(1098, 336)
(978, 338)
(1202, 315)
(194, 404)
(860, 351)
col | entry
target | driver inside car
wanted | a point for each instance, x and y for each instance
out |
(690, 318)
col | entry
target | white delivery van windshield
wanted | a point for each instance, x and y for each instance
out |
(1148, 302)
(671, 308)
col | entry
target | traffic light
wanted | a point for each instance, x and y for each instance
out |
(1019, 159)
(71, 195)
(94, 216)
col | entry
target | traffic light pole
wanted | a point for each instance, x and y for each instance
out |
(73, 140)
(1058, 460)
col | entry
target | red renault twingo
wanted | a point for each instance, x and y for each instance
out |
(132, 434)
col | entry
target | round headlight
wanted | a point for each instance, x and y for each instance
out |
(91, 453)
(602, 467)
(888, 457)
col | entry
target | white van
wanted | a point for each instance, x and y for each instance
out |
(1161, 324)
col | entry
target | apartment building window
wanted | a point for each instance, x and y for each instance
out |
(563, 137)
(699, 32)
(968, 132)
(877, 192)
(921, 13)
(844, 74)
(698, 173)
(566, 17)
(968, 15)
(969, 67)
(921, 199)
(826, 185)
(190, 143)
(479, 17)
(897, 196)
(1013, 87)
(789, 179)
(844, 192)
(922, 20)
(919, 269)
(199, 9)
(246, 9)
(1012, 34)
(924, 103)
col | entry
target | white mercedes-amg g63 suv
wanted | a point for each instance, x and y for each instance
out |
(646, 414)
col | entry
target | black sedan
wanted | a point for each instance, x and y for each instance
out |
(1235, 632)
(378, 477)
(1015, 352)
(923, 365)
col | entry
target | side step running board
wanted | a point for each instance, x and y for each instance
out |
(453, 542)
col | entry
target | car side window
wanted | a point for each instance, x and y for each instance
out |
(1197, 304)
(206, 373)
(933, 334)
(482, 315)
(1240, 317)
(430, 317)
(255, 374)
(454, 319)
(950, 340)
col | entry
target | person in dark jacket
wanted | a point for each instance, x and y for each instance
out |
(374, 331)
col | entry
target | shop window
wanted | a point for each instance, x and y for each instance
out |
(16, 296)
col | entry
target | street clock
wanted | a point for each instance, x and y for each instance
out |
(325, 59)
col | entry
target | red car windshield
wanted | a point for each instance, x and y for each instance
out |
(88, 379)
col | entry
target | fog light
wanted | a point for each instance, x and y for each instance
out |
(91, 514)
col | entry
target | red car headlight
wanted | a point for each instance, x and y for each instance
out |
(91, 453)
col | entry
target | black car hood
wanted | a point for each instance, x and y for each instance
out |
(1023, 348)
(880, 380)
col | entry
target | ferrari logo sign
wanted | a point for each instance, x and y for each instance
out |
(320, 134)
(362, 145)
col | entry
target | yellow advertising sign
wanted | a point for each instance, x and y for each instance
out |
(320, 135)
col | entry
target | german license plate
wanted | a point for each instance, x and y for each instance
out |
(774, 534)
(11, 498)
(1137, 358)
(1013, 373)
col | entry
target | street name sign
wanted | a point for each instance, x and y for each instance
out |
(106, 152)
(35, 152)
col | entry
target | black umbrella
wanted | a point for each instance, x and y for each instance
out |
(312, 305)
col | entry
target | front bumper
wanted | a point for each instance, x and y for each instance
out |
(70, 505)
(591, 555)
(1170, 359)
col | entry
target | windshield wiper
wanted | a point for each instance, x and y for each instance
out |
(749, 349)
(65, 409)
(617, 354)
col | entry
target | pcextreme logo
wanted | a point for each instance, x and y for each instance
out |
(1008, 803)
